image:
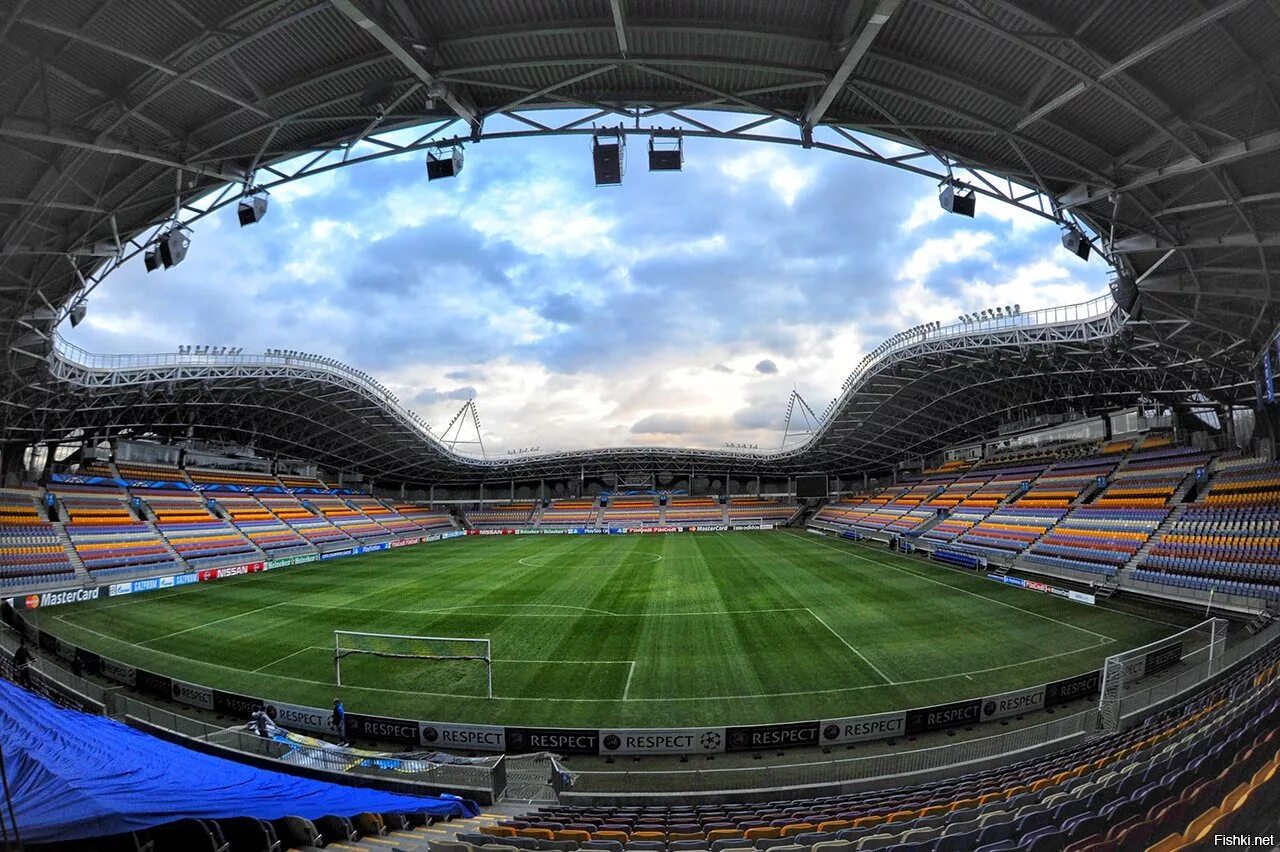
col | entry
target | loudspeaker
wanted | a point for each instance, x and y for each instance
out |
(959, 202)
(252, 209)
(152, 259)
(663, 160)
(78, 310)
(607, 158)
(1125, 292)
(1074, 242)
(173, 247)
(444, 167)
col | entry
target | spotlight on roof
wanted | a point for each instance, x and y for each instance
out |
(252, 207)
(444, 163)
(172, 246)
(609, 156)
(957, 198)
(1074, 241)
(666, 151)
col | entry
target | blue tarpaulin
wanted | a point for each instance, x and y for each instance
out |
(73, 776)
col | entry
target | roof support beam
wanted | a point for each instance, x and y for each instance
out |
(857, 49)
(619, 26)
(1221, 156)
(17, 127)
(403, 54)
(1145, 52)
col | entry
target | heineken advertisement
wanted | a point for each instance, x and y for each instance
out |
(286, 561)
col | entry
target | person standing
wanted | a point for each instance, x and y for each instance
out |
(22, 665)
(339, 721)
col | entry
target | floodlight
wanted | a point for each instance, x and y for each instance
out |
(1074, 241)
(666, 151)
(252, 207)
(444, 164)
(957, 198)
(609, 156)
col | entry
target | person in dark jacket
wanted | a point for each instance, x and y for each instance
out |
(22, 665)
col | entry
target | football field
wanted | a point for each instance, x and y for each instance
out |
(601, 631)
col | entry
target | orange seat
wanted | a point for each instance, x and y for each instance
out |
(795, 828)
(869, 820)
(575, 834)
(731, 834)
(830, 825)
(498, 830)
(899, 816)
(536, 833)
(620, 836)
(764, 832)
(684, 835)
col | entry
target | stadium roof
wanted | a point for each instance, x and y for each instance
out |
(1154, 123)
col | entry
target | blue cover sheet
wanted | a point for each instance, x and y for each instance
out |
(73, 776)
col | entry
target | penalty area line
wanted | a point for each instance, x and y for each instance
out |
(860, 655)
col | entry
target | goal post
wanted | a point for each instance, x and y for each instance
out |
(428, 649)
(1143, 676)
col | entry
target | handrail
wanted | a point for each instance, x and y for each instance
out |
(1091, 310)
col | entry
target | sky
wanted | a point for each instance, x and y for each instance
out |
(676, 309)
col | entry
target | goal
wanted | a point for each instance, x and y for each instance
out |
(428, 649)
(1144, 676)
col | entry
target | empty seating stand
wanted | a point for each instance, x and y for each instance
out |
(693, 510)
(272, 535)
(194, 533)
(107, 536)
(501, 515)
(30, 550)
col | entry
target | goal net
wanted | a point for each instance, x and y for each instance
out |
(440, 663)
(1143, 676)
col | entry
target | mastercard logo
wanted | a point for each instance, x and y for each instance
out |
(32, 601)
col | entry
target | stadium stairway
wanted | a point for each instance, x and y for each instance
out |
(928, 525)
(1152, 541)
(73, 556)
(151, 525)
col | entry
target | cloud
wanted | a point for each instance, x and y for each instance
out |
(767, 367)
(430, 396)
(582, 318)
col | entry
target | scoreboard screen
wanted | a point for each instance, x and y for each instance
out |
(811, 486)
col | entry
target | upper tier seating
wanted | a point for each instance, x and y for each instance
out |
(264, 529)
(1255, 485)
(148, 472)
(502, 515)
(693, 510)
(744, 508)
(631, 511)
(230, 477)
(425, 518)
(572, 512)
(30, 550)
(1233, 549)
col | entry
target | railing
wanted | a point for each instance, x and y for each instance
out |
(1092, 310)
(814, 773)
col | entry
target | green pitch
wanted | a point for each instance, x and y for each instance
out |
(637, 630)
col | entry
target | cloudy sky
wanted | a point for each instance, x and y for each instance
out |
(677, 309)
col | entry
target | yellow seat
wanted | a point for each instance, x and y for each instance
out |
(1172, 843)
(1201, 825)
(795, 828)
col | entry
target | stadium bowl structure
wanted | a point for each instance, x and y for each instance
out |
(1149, 131)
